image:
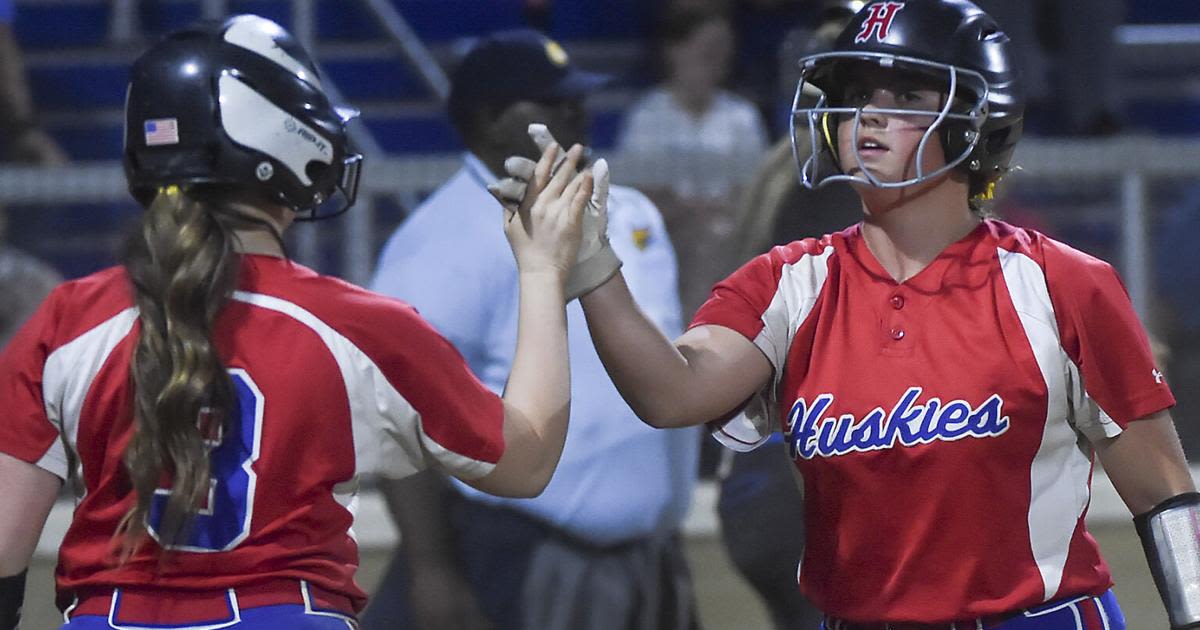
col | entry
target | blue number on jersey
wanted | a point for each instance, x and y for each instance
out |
(225, 519)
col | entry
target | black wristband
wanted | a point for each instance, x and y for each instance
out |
(12, 595)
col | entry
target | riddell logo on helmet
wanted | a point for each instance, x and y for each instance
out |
(879, 21)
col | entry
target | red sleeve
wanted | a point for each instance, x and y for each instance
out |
(26, 432)
(738, 302)
(457, 411)
(770, 296)
(1102, 335)
(461, 422)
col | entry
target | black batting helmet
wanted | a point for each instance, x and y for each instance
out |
(953, 41)
(237, 103)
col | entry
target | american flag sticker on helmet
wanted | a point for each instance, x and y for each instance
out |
(161, 131)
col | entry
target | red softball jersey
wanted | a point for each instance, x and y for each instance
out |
(332, 381)
(942, 425)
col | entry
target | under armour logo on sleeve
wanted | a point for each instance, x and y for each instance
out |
(879, 21)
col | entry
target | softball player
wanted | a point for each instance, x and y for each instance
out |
(218, 402)
(942, 380)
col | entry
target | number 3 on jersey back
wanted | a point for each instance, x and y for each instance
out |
(224, 520)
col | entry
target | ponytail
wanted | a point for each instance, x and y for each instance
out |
(183, 267)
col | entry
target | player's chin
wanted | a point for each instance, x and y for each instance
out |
(866, 176)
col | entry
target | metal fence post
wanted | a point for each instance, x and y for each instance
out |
(1135, 251)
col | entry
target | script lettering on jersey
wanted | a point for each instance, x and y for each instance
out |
(879, 21)
(810, 433)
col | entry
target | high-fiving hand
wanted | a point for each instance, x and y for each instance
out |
(544, 228)
(596, 261)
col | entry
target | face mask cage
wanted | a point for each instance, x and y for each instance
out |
(346, 192)
(344, 195)
(822, 138)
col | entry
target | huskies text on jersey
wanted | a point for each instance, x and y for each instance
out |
(809, 433)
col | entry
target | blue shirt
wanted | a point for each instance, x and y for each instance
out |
(618, 478)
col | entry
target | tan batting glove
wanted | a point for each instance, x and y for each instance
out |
(597, 262)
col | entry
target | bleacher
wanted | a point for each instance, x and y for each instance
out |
(77, 74)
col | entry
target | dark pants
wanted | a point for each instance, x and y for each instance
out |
(762, 525)
(526, 575)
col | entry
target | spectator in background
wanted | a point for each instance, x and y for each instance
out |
(24, 282)
(762, 26)
(1177, 265)
(774, 208)
(1065, 50)
(21, 139)
(699, 139)
(599, 549)
(760, 503)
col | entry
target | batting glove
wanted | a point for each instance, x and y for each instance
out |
(597, 262)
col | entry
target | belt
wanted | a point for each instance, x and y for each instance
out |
(979, 623)
(150, 606)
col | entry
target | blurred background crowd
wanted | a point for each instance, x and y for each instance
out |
(694, 115)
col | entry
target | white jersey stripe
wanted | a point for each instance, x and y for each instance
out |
(375, 406)
(1061, 468)
(1103, 614)
(799, 285)
(67, 376)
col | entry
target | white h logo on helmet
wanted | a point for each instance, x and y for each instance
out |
(879, 22)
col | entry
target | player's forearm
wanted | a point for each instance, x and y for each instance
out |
(27, 494)
(1146, 463)
(646, 367)
(537, 399)
(1147, 467)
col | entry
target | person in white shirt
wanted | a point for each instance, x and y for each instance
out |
(694, 143)
(690, 113)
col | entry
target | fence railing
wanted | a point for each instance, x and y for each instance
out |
(1131, 164)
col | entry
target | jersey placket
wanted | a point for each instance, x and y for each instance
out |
(896, 322)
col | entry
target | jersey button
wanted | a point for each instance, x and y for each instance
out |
(897, 302)
(897, 334)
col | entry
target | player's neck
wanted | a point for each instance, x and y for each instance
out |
(264, 240)
(911, 233)
(258, 242)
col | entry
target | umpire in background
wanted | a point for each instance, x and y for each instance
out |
(599, 549)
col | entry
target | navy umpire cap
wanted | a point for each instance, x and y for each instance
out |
(517, 65)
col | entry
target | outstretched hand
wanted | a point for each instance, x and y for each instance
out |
(596, 261)
(544, 228)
